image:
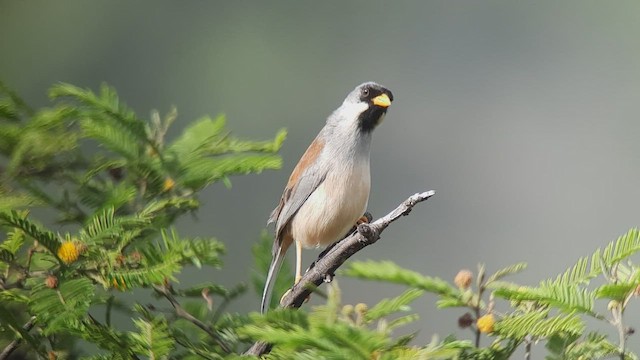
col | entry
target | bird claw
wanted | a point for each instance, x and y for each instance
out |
(364, 219)
(366, 231)
(328, 278)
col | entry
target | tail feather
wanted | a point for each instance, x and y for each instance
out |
(274, 268)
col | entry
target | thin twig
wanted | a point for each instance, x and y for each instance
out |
(325, 267)
(16, 342)
(527, 347)
(182, 313)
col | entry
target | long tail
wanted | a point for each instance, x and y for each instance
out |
(274, 268)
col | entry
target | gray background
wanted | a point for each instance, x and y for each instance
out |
(523, 116)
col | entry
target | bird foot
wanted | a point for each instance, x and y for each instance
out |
(367, 233)
(328, 278)
(364, 219)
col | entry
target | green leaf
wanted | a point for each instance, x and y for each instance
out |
(197, 138)
(509, 270)
(44, 237)
(107, 338)
(153, 339)
(618, 292)
(13, 242)
(390, 272)
(393, 305)
(568, 298)
(13, 296)
(62, 308)
(537, 324)
(402, 321)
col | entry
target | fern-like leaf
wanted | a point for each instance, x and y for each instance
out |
(509, 270)
(390, 272)
(44, 237)
(393, 305)
(153, 339)
(62, 308)
(537, 324)
(568, 299)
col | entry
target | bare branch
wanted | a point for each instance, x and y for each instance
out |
(15, 343)
(324, 268)
(166, 291)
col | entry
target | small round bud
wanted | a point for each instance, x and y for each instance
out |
(51, 282)
(463, 279)
(116, 173)
(347, 310)
(135, 257)
(485, 323)
(465, 321)
(168, 184)
(361, 308)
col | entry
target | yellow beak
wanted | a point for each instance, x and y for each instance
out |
(382, 100)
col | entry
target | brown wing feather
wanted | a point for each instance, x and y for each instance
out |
(308, 158)
(306, 161)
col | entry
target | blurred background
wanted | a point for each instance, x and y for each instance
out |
(523, 116)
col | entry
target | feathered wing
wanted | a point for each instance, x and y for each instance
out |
(304, 180)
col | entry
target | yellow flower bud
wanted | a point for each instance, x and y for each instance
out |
(168, 184)
(68, 252)
(485, 323)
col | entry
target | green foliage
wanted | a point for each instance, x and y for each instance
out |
(19, 222)
(537, 324)
(390, 306)
(390, 272)
(116, 186)
(153, 340)
(62, 308)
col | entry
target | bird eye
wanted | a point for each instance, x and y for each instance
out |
(365, 92)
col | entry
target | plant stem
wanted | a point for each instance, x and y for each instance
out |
(165, 291)
(527, 349)
(15, 343)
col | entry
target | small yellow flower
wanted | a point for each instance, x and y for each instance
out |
(463, 279)
(168, 184)
(485, 323)
(68, 252)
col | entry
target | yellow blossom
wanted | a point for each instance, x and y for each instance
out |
(485, 323)
(168, 184)
(68, 252)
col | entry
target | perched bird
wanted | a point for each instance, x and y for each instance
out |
(328, 190)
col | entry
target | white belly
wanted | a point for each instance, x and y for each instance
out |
(333, 208)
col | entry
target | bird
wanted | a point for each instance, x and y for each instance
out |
(328, 190)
